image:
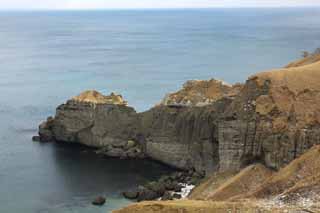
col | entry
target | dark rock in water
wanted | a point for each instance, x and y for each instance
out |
(163, 188)
(99, 201)
(177, 188)
(172, 186)
(157, 187)
(147, 194)
(45, 130)
(176, 196)
(36, 138)
(115, 152)
(167, 196)
(133, 194)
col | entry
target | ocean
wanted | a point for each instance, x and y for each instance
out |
(47, 57)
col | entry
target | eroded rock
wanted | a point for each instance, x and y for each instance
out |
(273, 118)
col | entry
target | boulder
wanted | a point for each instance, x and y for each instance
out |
(130, 144)
(36, 139)
(157, 187)
(99, 201)
(147, 194)
(178, 188)
(176, 196)
(167, 196)
(132, 194)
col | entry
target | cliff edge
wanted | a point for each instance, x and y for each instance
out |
(272, 119)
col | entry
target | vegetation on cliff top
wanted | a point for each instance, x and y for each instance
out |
(92, 96)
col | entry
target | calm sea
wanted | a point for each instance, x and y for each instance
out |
(47, 57)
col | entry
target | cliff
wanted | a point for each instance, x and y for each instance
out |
(272, 119)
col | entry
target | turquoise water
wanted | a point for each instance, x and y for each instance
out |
(47, 57)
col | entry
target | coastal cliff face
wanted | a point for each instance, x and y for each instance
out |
(294, 188)
(201, 93)
(273, 118)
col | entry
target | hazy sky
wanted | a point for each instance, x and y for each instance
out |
(92, 4)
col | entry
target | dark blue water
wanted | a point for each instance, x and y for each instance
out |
(47, 57)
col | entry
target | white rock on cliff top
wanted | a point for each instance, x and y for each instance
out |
(92, 96)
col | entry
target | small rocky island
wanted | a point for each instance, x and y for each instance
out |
(211, 129)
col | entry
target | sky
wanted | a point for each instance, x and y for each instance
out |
(132, 4)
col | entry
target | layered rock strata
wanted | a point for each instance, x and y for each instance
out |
(273, 118)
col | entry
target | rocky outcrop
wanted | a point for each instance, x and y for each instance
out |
(201, 93)
(99, 201)
(109, 126)
(273, 119)
(168, 187)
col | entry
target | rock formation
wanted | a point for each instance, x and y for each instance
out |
(201, 93)
(272, 119)
(295, 188)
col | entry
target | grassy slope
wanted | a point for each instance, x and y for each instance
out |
(255, 183)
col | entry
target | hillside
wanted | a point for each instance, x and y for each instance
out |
(295, 188)
(305, 61)
(287, 104)
(298, 181)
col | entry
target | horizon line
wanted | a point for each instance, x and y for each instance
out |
(150, 8)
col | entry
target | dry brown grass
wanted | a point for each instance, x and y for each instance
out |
(210, 184)
(248, 179)
(191, 206)
(296, 89)
(302, 172)
(305, 61)
(299, 178)
(92, 96)
(253, 189)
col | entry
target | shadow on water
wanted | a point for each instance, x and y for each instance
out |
(81, 174)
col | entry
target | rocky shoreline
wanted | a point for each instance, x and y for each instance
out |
(267, 121)
(206, 127)
(169, 187)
